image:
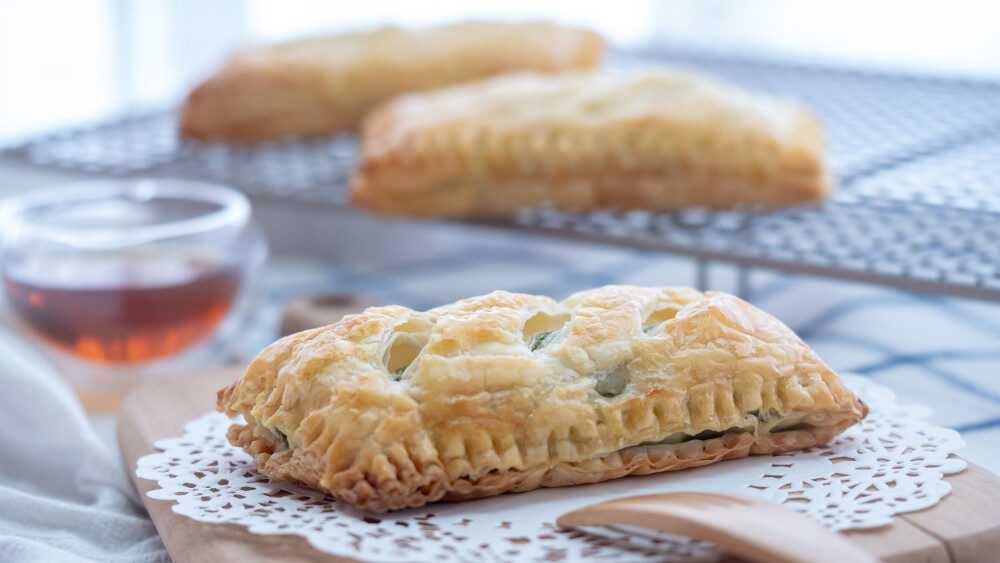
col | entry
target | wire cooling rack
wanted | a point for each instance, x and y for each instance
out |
(917, 161)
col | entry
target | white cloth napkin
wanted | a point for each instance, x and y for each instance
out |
(63, 495)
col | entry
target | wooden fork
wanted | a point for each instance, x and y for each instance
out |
(752, 528)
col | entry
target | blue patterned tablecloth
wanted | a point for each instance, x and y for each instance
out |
(940, 352)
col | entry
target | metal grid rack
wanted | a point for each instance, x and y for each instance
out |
(917, 161)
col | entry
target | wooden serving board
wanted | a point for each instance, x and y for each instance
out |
(964, 526)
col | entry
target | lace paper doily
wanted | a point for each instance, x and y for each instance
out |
(891, 463)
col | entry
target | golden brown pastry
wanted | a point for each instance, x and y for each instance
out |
(395, 408)
(659, 139)
(326, 84)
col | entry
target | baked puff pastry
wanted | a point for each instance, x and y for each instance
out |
(395, 408)
(659, 139)
(326, 84)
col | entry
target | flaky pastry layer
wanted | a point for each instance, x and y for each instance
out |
(395, 408)
(326, 84)
(659, 139)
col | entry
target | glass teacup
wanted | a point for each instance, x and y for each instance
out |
(120, 280)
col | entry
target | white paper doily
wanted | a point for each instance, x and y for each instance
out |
(891, 463)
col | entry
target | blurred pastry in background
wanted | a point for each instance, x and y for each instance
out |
(660, 139)
(323, 85)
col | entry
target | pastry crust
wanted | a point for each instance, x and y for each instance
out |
(394, 408)
(660, 139)
(326, 84)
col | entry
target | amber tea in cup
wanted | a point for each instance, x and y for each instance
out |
(112, 315)
(118, 276)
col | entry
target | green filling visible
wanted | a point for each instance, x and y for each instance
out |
(770, 414)
(540, 339)
(611, 382)
(280, 434)
(649, 328)
(709, 434)
(398, 374)
(680, 437)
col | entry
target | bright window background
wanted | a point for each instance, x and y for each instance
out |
(69, 61)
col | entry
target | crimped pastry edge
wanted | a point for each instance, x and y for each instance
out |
(634, 460)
